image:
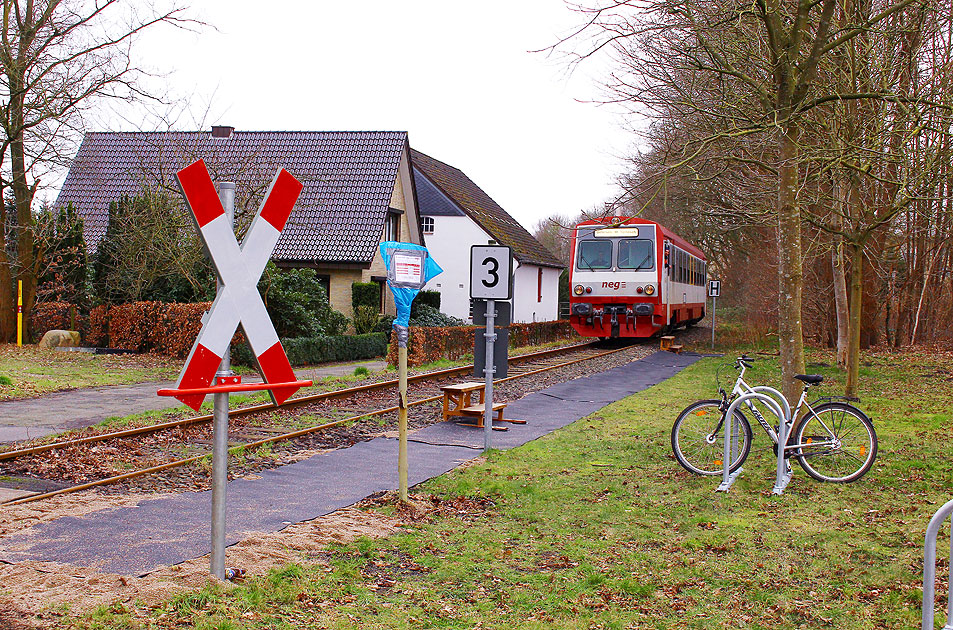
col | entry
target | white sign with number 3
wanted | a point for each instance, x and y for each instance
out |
(491, 268)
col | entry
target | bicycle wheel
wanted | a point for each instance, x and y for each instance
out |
(837, 443)
(698, 438)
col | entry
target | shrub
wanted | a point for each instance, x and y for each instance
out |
(428, 316)
(365, 319)
(298, 303)
(429, 299)
(366, 294)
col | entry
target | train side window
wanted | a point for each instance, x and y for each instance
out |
(636, 254)
(594, 255)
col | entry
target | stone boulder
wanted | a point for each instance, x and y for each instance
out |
(59, 339)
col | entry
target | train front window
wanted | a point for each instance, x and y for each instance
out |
(594, 255)
(636, 254)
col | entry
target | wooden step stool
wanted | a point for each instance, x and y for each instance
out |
(667, 343)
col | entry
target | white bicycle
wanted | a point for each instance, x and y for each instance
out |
(834, 441)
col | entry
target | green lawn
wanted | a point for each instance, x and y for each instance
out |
(596, 526)
(32, 372)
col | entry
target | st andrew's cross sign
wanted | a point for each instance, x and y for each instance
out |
(238, 268)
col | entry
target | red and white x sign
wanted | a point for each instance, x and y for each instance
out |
(239, 268)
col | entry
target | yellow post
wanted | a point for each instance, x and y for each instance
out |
(402, 422)
(19, 313)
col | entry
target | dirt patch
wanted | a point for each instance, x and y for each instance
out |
(40, 593)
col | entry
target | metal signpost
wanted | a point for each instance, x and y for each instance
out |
(491, 271)
(714, 290)
(409, 268)
(237, 302)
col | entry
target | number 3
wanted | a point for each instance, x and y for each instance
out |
(492, 272)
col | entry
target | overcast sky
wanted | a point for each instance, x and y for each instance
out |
(458, 76)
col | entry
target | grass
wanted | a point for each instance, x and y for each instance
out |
(595, 526)
(32, 372)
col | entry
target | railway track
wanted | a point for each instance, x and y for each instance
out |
(176, 444)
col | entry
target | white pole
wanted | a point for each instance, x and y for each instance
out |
(713, 298)
(226, 192)
(489, 369)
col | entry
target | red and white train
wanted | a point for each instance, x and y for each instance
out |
(631, 277)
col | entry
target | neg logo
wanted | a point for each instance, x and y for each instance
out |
(613, 285)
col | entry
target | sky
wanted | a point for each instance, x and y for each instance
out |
(458, 76)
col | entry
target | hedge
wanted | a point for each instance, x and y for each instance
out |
(312, 350)
(428, 344)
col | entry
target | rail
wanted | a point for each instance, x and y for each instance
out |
(929, 569)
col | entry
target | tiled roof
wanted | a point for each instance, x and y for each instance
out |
(348, 181)
(484, 211)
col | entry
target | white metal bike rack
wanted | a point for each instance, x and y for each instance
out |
(929, 568)
(779, 406)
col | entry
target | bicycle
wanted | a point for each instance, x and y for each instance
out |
(833, 442)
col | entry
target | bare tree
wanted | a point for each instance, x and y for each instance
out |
(57, 58)
(746, 76)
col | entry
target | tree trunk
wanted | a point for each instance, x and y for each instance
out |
(840, 302)
(23, 196)
(790, 274)
(856, 295)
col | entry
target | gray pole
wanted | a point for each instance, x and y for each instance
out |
(713, 298)
(226, 192)
(489, 369)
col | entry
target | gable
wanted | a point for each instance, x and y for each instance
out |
(485, 212)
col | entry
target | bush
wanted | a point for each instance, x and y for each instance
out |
(365, 319)
(312, 350)
(428, 316)
(298, 304)
(429, 299)
(366, 294)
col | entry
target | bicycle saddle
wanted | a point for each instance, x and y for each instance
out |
(810, 379)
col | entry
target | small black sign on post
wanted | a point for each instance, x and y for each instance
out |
(714, 290)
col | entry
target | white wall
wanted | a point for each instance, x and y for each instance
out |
(526, 304)
(449, 245)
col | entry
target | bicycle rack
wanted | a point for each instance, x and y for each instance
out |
(770, 397)
(929, 569)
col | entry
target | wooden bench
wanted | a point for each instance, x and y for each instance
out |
(458, 402)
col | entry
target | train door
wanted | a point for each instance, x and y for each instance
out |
(666, 282)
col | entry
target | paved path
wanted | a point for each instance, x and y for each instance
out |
(59, 411)
(160, 532)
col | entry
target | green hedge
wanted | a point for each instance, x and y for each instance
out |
(312, 350)
(366, 294)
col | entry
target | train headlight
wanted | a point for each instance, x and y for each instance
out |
(578, 289)
(650, 289)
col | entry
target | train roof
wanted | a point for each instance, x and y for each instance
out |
(672, 236)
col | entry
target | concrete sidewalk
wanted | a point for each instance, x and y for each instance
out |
(160, 532)
(60, 411)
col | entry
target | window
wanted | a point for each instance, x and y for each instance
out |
(426, 224)
(539, 284)
(636, 254)
(392, 227)
(594, 255)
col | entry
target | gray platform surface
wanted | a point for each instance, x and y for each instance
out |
(160, 532)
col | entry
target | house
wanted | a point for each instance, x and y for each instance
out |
(456, 214)
(358, 191)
